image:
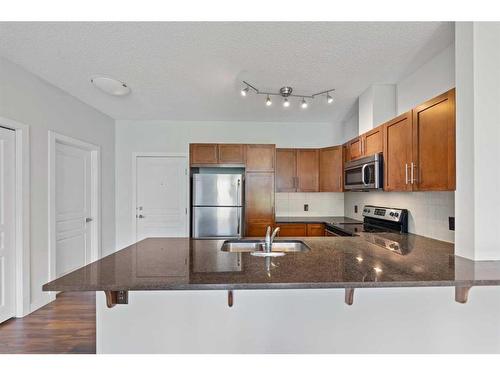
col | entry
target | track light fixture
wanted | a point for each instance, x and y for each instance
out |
(244, 91)
(285, 92)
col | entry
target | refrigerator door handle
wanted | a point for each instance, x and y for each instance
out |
(238, 226)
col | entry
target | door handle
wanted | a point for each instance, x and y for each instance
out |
(412, 179)
(141, 216)
(363, 174)
(88, 219)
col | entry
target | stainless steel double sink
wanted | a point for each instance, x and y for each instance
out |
(256, 247)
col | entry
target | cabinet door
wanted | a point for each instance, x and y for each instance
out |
(315, 230)
(373, 141)
(260, 158)
(292, 230)
(355, 150)
(286, 170)
(203, 153)
(257, 229)
(308, 170)
(331, 167)
(398, 153)
(434, 143)
(259, 200)
(231, 153)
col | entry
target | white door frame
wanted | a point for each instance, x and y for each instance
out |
(95, 209)
(22, 213)
(136, 155)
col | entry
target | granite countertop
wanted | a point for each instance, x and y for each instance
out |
(316, 219)
(332, 262)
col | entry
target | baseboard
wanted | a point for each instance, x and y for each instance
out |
(41, 302)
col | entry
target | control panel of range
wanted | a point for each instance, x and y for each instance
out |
(384, 213)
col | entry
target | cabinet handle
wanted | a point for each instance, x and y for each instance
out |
(340, 183)
(412, 180)
(406, 173)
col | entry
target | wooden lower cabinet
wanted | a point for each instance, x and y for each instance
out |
(301, 230)
(315, 230)
(292, 230)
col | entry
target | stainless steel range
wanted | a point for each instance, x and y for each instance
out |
(375, 219)
(381, 226)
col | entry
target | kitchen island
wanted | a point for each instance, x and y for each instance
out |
(177, 295)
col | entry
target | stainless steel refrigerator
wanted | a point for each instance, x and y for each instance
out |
(217, 206)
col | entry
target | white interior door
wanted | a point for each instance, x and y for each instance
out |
(73, 194)
(161, 207)
(7, 223)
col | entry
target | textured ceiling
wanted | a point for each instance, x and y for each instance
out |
(193, 70)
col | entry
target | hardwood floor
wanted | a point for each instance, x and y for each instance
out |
(66, 325)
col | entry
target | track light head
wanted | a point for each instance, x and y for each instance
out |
(244, 91)
(268, 101)
(303, 103)
(286, 103)
(329, 98)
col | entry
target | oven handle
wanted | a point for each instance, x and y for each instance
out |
(363, 174)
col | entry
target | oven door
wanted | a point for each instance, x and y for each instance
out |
(363, 176)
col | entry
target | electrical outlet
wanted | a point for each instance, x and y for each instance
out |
(356, 209)
(306, 207)
(451, 223)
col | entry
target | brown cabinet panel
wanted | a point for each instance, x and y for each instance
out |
(373, 141)
(307, 170)
(259, 199)
(292, 230)
(315, 230)
(286, 170)
(257, 229)
(203, 153)
(331, 169)
(398, 153)
(231, 153)
(355, 149)
(260, 158)
(434, 143)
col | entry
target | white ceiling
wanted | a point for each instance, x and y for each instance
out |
(193, 70)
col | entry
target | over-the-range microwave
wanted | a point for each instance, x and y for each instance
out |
(364, 173)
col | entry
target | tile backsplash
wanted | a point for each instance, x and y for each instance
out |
(320, 204)
(428, 211)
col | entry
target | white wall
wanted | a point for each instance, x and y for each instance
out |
(320, 204)
(478, 133)
(429, 211)
(174, 137)
(30, 100)
(376, 106)
(384, 320)
(350, 126)
(431, 79)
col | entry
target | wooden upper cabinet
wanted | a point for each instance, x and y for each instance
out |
(331, 163)
(354, 148)
(307, 170)
(397, 144)
(260, 158)
(372, 141)
(434, 143)
(203, 153)
(231, 154)
(286, 170)
(259, 202)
